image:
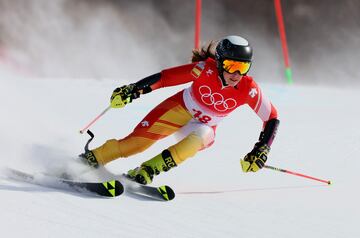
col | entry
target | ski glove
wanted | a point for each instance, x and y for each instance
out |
(256, 159)
(124, 95)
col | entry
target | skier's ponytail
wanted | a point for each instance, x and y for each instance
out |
(204, 53)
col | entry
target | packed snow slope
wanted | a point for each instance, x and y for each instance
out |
(318, 136)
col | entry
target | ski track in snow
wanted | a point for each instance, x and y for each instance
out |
(317, 136)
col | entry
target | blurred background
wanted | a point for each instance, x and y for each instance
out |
(132, 39)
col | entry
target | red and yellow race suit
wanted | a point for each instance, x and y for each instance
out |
(194, 112)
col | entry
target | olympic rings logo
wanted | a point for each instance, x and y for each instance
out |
(216, 99)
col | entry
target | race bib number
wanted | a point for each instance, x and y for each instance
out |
(199, 115)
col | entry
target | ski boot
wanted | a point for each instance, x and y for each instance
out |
(89, 158)
(147, 170)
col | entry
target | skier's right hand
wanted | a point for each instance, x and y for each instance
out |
(123, 95)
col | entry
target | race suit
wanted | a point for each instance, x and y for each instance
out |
(194, 112)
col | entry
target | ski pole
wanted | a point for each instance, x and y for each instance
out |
(95, 119)
(297, 174)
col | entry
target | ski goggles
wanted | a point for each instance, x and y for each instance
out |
(231, 66)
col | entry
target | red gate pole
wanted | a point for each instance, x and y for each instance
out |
(281, 26)
(197, 23)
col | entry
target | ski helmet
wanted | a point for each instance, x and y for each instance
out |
(232, 47)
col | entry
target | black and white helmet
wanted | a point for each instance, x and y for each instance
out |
(232, 47)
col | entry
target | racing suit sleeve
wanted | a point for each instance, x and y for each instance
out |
(166, 78)
(267, 112)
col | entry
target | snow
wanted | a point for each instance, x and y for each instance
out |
(318, 136)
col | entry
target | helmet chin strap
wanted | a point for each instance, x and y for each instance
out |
(223, 82)
(221, 75)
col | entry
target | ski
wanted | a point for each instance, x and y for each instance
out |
(110, 188)
(161, 193)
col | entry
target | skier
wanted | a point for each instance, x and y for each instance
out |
(220, 84)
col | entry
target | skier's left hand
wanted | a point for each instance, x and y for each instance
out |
(256, 159)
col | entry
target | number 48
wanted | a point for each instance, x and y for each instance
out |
(202, 118)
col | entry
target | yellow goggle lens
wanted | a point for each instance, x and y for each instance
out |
(231, 66)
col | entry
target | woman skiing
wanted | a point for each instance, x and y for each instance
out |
(220, 84)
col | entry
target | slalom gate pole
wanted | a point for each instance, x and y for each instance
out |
(197, 23)
(297, 174)
(281, 27)
(95, 119)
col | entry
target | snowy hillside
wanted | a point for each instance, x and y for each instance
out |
(318, 136)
